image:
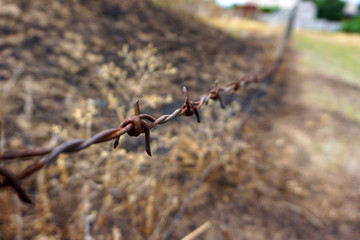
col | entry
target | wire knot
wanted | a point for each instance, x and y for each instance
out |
(189, 107)
(139, 125)
(243, 81)
(215, 94)
(235, 85)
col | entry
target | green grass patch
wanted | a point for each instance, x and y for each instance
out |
(329, 55)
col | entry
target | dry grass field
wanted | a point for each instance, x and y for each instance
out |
(73, 68)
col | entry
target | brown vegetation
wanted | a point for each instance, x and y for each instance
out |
(73, 68)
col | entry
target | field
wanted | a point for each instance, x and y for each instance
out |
(329, 76)
(321, 114)
(287, 171)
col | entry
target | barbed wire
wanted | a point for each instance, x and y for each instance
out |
(135, 125)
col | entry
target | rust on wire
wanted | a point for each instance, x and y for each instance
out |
(134, 126)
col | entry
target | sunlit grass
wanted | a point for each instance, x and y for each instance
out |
(335, 55)
(329, 99)
(332, 53)
(239, 26)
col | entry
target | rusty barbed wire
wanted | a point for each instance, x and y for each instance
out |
(134, 126)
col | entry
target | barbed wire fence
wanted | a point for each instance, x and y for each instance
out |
(138, 124)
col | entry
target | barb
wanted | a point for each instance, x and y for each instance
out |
(133, 126)
(11, 179)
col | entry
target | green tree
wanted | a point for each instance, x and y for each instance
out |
(351, 25)
(330, 9)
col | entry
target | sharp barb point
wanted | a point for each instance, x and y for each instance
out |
(137, 107)
(197, 115)
(147, 141)
(221, 103)
(116, 143)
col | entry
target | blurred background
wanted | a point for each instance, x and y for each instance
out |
(70, 69)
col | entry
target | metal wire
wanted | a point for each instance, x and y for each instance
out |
(134, 126)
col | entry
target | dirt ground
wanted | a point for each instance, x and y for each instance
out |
(306, 185)
(288, 173)
(315, 150)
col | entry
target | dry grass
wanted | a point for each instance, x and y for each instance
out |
(98, 189)
(240, 27)
(105, 194)
(333, 53)
(262, 186)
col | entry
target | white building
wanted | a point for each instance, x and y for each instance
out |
(268, 3)
(306, 17)
(351, 8)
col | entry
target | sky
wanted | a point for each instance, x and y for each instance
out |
(228, 3)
